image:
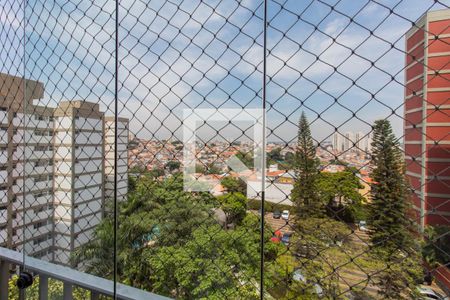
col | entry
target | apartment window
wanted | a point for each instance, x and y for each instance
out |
(51, 118)
(41, 178)
(41, 132)
(40, 224)
(41, 163)
(43, 148)
(39, 209)
(3, 109)
(3, 168)
(39, 118)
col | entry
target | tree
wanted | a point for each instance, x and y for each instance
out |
(234, 206)
(247, 158)
(400, 276)
(170, 244)
(274, 156)
(436, 248)
(234, 185)
(316, 234)
(207, 169)
(201, 268)
(173, 165)
(341, 192)
(304, 194)
(390, 227)
(389, 207)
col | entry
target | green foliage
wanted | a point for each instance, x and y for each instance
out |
(170, 244)
(274, 157)
(198, 270)
(400, 276)
(388, 218)
(304, 194)
(173, 165)
(436, 249)
(234, 205)
(390, 234)
(207, 169)
(132, 181)
(246, 158)
(288, 161)
(55, 290)
(234, 185)
(254, 204)
(317, 234)
(282, 284)
(340, 191)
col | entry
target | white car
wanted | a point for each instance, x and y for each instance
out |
(285, 215)
(429, 293)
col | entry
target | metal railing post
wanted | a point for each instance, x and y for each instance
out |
(4, 278)
(67, 291)
(43, 287)
(95, 295)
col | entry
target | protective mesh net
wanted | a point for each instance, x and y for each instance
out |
(144, 159)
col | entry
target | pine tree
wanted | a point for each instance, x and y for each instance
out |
(390, 224)
(304, 195)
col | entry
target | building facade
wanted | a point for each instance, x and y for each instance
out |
(54, 175)
(427, 110)
(360, 142)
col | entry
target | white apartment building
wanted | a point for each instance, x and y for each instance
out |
(338, 142)
(349, 140)
(122, 157)
(53, 174)
(358, 141)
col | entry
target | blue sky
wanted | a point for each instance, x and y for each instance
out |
(188, 54)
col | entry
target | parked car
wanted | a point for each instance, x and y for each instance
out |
(286, 238)
(275, 239)
(285, 215)
(276, 214)
(428, 293)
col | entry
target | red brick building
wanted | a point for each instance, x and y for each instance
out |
(427, 121)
